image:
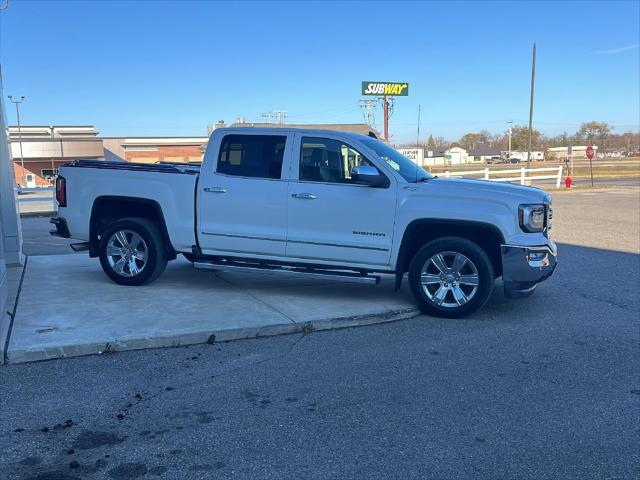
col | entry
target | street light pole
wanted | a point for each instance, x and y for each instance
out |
(533, 81)
(17, 103)
(510, 122)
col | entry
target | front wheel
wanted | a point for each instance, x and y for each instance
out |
(451, 277)
(132, 251)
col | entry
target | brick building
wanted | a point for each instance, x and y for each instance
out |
(38, 151)
(154, 149)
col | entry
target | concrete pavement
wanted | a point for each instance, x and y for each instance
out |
(541, 388)
(68, 307)
(35, 201)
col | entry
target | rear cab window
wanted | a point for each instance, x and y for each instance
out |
(254, 156)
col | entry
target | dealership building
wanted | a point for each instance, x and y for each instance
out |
(39, 150)
(154, 149)
(11, 257)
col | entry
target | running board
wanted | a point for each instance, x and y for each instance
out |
(79, 247)
(284, 270)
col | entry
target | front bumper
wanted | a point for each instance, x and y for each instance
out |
(524, 267)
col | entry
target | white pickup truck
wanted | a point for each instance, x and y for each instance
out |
(311, 202)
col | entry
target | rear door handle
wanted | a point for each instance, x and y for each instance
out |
(304, 196)
(215, 189)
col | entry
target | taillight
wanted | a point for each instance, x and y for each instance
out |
(61, 191)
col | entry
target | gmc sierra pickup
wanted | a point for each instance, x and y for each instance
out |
(311, 202)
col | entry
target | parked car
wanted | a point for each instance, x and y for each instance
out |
(514, 160)
(494, 160)
(308, 202)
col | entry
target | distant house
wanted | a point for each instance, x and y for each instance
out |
(481, 155)
(456, 156)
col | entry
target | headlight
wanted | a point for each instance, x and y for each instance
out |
(531, 218)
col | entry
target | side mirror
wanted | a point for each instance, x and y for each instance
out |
(368, 175)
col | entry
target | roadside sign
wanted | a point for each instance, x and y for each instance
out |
(590, 152)
(391, 89)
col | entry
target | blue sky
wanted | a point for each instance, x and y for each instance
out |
(171, 68)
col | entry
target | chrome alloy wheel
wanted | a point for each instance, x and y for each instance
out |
(449, 279)
(127, 253)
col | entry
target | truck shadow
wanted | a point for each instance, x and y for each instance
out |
(582, 273)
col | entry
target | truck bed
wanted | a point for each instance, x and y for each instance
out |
(169, 186)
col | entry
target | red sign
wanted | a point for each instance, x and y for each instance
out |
(590, 152)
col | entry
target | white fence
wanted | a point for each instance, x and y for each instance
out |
(523, 178)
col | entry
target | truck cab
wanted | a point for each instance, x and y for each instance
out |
(296, 195)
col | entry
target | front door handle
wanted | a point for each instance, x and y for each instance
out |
(304, 196)
(215, 189)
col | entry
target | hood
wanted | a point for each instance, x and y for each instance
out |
(478, 187)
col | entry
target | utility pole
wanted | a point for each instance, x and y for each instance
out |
(53, 168)
(533, 81)
(280, 114)
(267, 115)
(418, 134)
(510, 131)
(17, 103)
(385, 110)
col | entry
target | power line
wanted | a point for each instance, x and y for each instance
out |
(368, 107)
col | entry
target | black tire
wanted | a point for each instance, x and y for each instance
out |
(155, 260)
(476, 258)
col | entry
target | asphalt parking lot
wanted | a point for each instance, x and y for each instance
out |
(545, 387)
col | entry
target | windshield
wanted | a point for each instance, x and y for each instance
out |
(401, 164)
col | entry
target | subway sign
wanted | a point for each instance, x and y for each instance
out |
(395, 89)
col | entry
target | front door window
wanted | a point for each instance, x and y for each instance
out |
(328, 161)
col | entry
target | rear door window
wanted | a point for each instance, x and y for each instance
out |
(256, 156)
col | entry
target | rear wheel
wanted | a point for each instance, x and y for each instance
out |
(451, 277)
(132, 251)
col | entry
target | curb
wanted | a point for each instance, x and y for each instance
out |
(589, 188)
(7, 318)
(37, 214)
(212, 336)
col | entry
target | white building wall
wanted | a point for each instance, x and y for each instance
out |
(9, 216)
(10, 231)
